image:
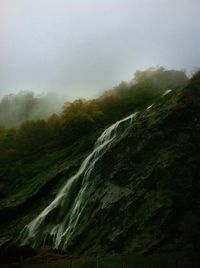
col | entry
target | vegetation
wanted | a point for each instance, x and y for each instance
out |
(22, 146)
(158, 162)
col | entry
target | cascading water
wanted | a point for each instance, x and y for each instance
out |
(58, 222)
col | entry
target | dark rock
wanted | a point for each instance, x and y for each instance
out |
(13, 253)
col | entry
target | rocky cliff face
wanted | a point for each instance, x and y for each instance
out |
(147, 185)
(139, 189)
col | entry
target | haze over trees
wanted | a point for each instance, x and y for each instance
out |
(17, 108)
(146, 85)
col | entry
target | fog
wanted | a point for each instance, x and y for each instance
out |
(80, 48)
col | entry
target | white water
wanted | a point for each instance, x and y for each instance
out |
(167, 92)
(149, 107)
(58, 221)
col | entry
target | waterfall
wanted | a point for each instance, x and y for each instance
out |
(57, 223)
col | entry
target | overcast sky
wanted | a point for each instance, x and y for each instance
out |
(81, 47)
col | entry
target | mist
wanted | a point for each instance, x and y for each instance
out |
(122, 99)
(80, 48)
(26, 105)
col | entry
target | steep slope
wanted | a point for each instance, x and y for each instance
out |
(137, 190)
(42, 180)
(59, 222)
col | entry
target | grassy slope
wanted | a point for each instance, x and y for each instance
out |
(42, 178)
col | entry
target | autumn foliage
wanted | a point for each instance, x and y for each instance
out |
(34, 138)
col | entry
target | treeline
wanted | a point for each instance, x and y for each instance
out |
(81, 118)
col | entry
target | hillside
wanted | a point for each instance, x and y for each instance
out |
(138, 192)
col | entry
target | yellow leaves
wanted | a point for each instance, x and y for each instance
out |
(88, 110)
